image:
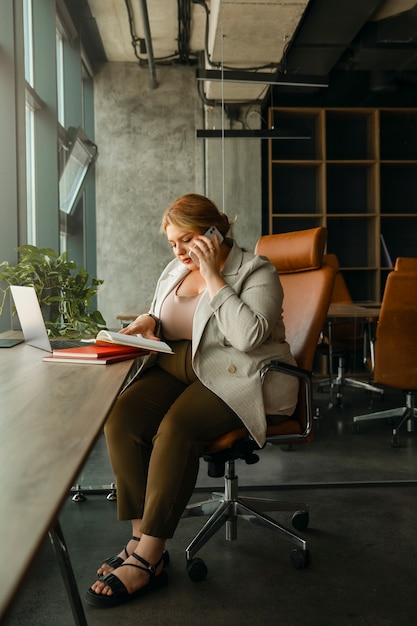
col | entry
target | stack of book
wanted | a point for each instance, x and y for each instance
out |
(108, 347)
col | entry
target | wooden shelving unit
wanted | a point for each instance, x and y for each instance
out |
(357, 176)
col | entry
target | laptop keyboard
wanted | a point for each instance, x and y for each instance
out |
(60, 344)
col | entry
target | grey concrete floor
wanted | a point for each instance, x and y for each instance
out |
(361, 537)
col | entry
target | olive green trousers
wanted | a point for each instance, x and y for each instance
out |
(157, 431)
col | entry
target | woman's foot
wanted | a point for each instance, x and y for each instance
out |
(133, 578)
(113, 562)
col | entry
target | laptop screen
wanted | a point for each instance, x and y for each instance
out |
(30, 317)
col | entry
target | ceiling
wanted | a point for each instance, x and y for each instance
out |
(366, 50)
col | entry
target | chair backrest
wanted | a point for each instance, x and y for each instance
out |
(341, 292)
(307, 285)
(396, 333)
(405, 264)
(345, 335)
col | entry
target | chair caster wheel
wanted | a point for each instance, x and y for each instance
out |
(300, 558)
(395, 441)
(197, 570)
(78, 495)
(112, 496)
(300, 520)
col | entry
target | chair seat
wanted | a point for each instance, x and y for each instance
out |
(285, 428)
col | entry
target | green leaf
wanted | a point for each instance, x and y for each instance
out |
(61, 288)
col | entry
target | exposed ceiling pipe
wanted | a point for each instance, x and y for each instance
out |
(148, 41)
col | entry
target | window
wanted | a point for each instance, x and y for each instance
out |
(46, 86)
(28, 38)
(30, 122)
(30, 176)
(60, 74)
(78, 156)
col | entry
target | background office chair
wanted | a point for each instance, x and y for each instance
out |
(307, 290)
(396, 345)
(343, 340)
(405, 264)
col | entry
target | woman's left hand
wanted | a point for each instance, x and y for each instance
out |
(208, 253)
(210, 258)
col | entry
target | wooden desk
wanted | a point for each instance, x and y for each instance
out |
(351, 311)
(348, 312)
(50, 417)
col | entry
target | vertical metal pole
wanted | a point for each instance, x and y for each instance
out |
(223, 155)
(148, 41)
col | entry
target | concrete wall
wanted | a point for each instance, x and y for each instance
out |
(233, 176)
(148, 156)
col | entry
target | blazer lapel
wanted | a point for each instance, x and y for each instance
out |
(201, 317)
(167, 283)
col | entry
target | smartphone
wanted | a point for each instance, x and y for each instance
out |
(210, 234)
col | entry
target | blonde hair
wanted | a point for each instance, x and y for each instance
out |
(195, 213)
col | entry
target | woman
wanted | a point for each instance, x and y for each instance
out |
(220, 309)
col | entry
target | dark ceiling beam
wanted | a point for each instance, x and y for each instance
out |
(399, 29)
(325, 33)
(232, 133)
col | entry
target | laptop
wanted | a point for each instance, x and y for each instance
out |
(32, 322)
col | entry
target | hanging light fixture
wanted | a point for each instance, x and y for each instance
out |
(265, 78)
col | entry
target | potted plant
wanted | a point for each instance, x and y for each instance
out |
(64, 292)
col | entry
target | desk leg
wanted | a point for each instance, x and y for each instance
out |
(331, 381)
(338, 382)
(58, 542)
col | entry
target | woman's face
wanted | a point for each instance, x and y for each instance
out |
(181, 242)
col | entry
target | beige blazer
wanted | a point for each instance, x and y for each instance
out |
(234, 334)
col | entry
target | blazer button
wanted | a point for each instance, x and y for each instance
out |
(231, 369)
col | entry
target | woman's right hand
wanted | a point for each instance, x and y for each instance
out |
(143, 325)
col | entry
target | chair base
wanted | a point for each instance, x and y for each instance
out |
(226, 509)
(340, 381)
(406, 415)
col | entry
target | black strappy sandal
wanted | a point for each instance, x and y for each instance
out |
(117, 561)
(120, 594)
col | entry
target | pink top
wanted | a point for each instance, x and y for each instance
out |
(177, 315)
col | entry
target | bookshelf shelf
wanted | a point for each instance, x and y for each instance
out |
(356, 176)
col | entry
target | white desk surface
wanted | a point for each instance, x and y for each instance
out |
(50, 417)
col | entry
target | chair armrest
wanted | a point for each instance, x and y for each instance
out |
(305, 377)
(289, 369)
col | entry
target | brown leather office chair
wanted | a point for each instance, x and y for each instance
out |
(396, 345)
(307, 289)
(405, 264)
(342, 340)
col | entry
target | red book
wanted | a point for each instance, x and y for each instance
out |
(95, 351)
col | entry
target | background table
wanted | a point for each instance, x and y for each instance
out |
(50, 417)
(340, 312)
